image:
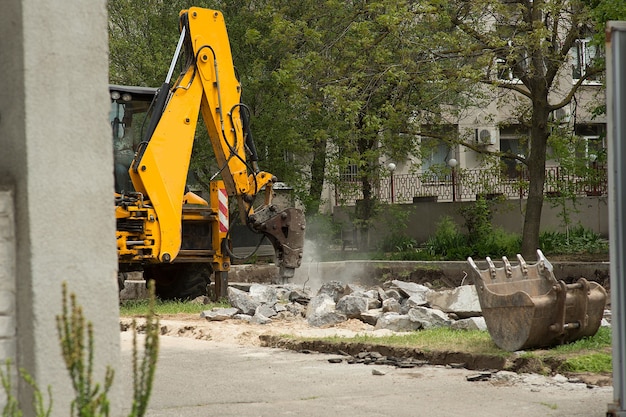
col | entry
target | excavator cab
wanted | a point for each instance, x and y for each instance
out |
(525, 307)
(129, 111)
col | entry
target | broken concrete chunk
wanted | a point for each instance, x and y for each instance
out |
(463, 301)
(397, 323)
(371, 316)
(242, 301)
(263, 294)
(409, 289)
(428, 318)
(219, 314)
(321, 312)
(391, 305)
(334, 289)
(265, 310)
(352, 306)
(471, 323)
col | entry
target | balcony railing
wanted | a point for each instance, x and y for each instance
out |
(467, 184)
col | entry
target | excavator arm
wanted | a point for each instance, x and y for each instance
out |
(208, 86)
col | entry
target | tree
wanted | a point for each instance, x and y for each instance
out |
(142, 40)
(357, 78)
(532, 40)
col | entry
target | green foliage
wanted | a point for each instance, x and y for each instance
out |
(334, 84)
(448, 242)
(602, 339)
(77, 346)
(477, 220)
(595, 362)
(395, 223)
(577, 240)
(481, 240)
(12, 407)
(91, 397)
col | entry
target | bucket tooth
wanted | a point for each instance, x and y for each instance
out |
(522, 264)
(492, 269)
(507, 267)
(524, 306)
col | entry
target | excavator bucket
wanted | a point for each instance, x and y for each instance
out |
(525, 307)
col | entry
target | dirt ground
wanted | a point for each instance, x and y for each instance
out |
(239, 332)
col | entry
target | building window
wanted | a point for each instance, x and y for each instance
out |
(592, 146)
(434, 153)
(350, 173)
(583, 54)
(513, 141)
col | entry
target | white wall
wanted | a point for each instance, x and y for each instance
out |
(55, 153)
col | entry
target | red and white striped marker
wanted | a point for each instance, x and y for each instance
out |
(222, 198)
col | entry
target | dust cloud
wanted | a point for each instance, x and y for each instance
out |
(314, 273)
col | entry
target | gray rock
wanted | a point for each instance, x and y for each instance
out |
(353, 289)
(395, 294)
(334, 289)
(299, 295)
(265, 310)
(397, 322)
(409, 289)
(382, 294)
(244, 317)
(352, 306)
(428, 318)
(391, 305)
(296, 309)
(416, 300)
(371, 316)
(463, 301)
(260, 319)
(219, 314)
(321, 312)
(472, 323)
(263, 294)
(242, 301)
(373, 294)
(373, 303)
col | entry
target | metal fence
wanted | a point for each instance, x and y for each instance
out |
(468, 184)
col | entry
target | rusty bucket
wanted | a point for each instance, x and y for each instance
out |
(524, 306)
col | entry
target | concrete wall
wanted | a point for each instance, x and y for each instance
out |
(423, 217)
(56, 161)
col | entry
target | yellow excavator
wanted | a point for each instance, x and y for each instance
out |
(176, 237)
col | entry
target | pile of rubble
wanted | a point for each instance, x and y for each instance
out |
(396, 305)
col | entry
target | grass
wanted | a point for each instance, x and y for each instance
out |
(591, 354)
(439, 339)
(135, 308)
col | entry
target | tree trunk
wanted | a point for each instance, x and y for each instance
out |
(365, 213)
(539, 133)
(318, 168)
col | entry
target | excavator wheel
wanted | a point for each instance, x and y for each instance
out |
(182, 281)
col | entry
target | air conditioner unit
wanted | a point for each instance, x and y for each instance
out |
(486, 136)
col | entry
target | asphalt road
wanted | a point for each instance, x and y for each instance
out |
(204, 378)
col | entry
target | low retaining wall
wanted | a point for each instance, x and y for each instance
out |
(445, 274)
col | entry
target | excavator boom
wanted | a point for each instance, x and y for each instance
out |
(209, 86)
